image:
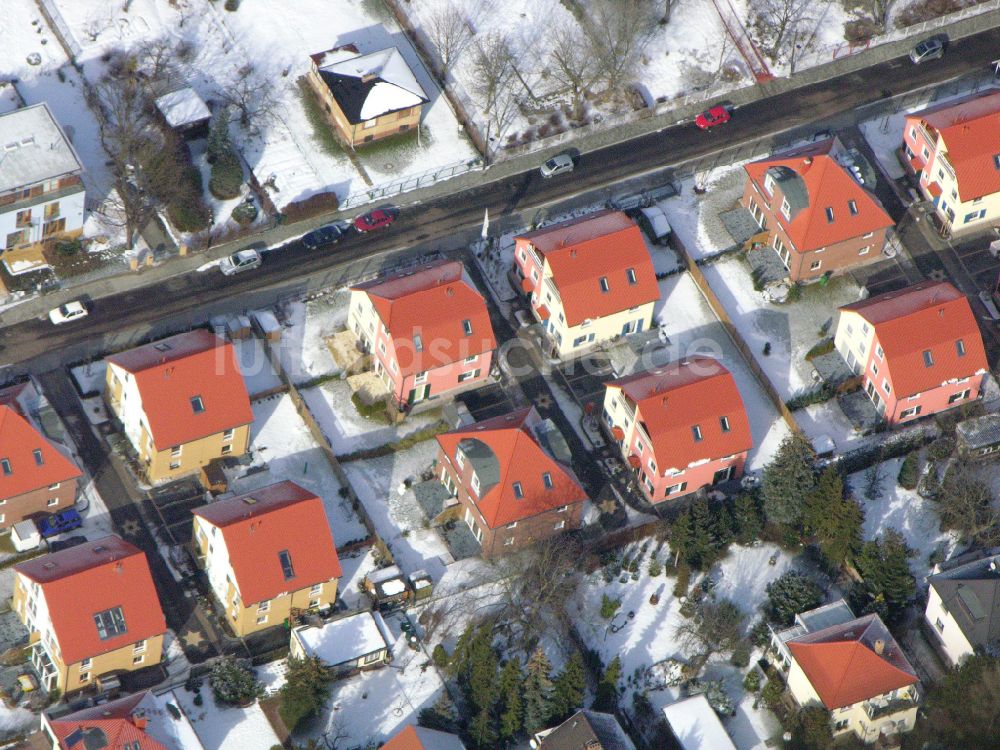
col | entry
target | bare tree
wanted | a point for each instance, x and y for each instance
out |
(880, 10)
(619, 31)
(252, 97)
(668, 10)
(494, 75)
(449, 32)
(97, 23)
(717, 627)
(572, 65)
(157, 63)
(777, 20)
(966, 505)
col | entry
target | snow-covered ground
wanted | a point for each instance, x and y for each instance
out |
(90, 377)
(224, 727)
(396, 515)
(282, 448)
(303, 351)
(693, 329)
(14, 721)
(355, 566)
(258, 374)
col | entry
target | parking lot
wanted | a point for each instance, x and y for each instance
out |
(172, 505)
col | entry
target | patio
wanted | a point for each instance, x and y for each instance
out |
(432, 497)
(740, 224)
(832, 368)
(765, 265)
(369, 387)
(344, 349)
(861, 412)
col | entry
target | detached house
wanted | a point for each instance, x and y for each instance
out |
(512, 476)
(852, 667)
(36, 477)
(428, 331)
(421, 738)
(814, 210)
(41, 193)
(680, 427)
(268, 555)
(181, 402)
(92, 611)
(963, 608)
(953, 151)
(588, 280)
(367, 97)
(917, 350)
(585, 730)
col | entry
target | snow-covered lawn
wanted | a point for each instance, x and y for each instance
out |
(396, 515)
(14, 721)
(331, 406)
(904, 510)
(693, 329)
(282, 448)
(90, 377)
(355, 566)
(303, 351)
(258, 374)
(223, 727)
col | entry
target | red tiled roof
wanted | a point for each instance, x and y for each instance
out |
(671, 400)
(968, 128)
(18, 443)
(93, 577)
(929, 316)
(115, 719)
(581, 251)
(259, 525)
(826, 185)
(432, 302)
(197, 363)
(508, 440)
(421, 738)
(843, 666)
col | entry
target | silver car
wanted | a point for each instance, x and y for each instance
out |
(241, 260)
(557, 165)
(929, 49)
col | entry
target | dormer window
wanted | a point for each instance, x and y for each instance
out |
(518, 490)
(418, 343)
(928, 358)
(630, 275)
(197, 405)
(960, 347)
(786, 208)
(696, 431)
(547, 480)
(110, 623)
(605, 287)
(829, 215)
(467, 327)
(40, 459)
(852, 206)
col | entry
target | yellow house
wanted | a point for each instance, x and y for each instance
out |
(92, 611)
(268, 555)
(367, 97)
(181, 402)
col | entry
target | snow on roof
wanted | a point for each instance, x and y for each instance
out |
(342, 640)
(696, 726)
(33, 148)
(183, 107)
(379, 82)
(657, 221)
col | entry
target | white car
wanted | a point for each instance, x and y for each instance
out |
(558, 164)
(241, 260)
(68, 313)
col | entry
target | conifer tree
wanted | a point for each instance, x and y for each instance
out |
(512, 705)
(569, 687)
(537, 692)
(788, 480)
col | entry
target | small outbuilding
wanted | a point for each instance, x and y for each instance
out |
(185, 112)
(352, 643)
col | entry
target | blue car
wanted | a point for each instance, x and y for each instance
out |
(57, 523)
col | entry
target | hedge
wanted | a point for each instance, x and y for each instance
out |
(320, 203)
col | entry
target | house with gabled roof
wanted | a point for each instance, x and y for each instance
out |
(142, 721)
(413, 737)
(917, 350)
(513, 478)
(181, 402)
(428, 331)
(91, 610)
(952, 150)
(36, 476)
(680, 427)
(963, 607)
(852, 667)
(269, 555)
(588, 280)
(369, 96)
(814, 207)
(584, 730)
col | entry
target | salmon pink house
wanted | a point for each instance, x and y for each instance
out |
(428, 331)
(918, 350)
(680, 427)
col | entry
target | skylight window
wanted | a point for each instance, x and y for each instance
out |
(696, 431)
(162, 347)
(467, 327)
(852, 205)
(996, 161)
(110, 623)
(829, 215)
(197, 405)
(286, 564)
(630, 275)
(5, 464)
(605, 287)
(928, 358)
(960, 347)
(724, 423)
(418, 343)
(40, 459)
(547, 480)
(518, 490)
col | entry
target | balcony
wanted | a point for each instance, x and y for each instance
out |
(879, 708)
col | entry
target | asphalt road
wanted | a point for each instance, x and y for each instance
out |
(127, 318)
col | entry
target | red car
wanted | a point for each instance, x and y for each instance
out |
(717, 115)
(377, 219)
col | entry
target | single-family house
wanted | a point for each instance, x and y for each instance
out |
(696, 726)
(680, 427)
(269, 555)
(367, 97)
(852, 667)
(918, 350)
(357, 642)
(427, 329)
(512, 476)
(91, 610)
(588, 280)
(41, 193)
(181, 402)
(963, 608)
(584, 730)
(815, 208)
(952, 150)
(36, 476)
(142, 721)
(413, 737)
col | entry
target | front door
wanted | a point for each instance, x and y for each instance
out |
(723, 475)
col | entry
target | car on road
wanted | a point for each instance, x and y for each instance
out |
(68, 313)
(325, 235)
(929, 49)
(717, 115)
(558, 164)
(377, 219)
(241, 260)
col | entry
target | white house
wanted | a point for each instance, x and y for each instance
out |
(963, 607)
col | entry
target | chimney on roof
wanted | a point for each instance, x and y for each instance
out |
(879, 646)
(119, 567)
(665, 402)
(807, 161)
(450, 291)
(572, 253)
